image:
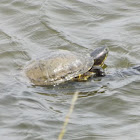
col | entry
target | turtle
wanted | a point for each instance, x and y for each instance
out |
(63, 65)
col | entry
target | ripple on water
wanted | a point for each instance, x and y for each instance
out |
(107, 107)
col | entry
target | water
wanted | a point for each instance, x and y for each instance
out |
(107, 108)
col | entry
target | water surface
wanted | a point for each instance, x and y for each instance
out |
(108, 107)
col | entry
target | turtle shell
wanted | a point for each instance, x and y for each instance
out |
(58, 67)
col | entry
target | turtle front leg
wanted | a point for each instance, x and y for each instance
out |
(83, 77)
(98, 71)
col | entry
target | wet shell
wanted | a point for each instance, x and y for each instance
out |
(58, 67)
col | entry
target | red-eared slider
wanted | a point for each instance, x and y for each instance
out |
(61, 66)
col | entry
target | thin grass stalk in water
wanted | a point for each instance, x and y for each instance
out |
(75, 96)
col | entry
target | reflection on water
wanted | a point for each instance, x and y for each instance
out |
(107, 107)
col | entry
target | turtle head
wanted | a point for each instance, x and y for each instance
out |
(99, 55)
